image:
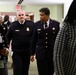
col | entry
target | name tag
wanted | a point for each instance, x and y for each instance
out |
(17, 30)
(38, 29)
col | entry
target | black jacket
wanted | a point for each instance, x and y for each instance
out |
(43, 42)
(21, 35)
(3, 43)
(6, 25)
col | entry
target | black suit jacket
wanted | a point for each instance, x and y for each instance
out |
(44, 39)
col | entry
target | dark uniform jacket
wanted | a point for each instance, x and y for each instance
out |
(6, 26)
(21, 35)
(3, 43)
(44, 39)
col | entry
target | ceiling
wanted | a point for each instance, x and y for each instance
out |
(26, 2)
(9, 1)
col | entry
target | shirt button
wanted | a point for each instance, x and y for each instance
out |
(38, 32)
(46, 38)
(46, 33)
(4, 28)
(46, 46)
(46, 42)
(53, 32)
(36, 46)
(3, 40)
(3, 44)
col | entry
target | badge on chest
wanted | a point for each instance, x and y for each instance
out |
(17, 30)
(27, 29)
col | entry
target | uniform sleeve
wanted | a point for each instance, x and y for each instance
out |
(9, 35)
(59, 47)
(34, 37)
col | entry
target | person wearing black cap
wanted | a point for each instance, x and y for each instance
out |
(65, 45)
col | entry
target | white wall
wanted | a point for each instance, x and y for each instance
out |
(66, 6)
(27, 7)
(54, 9)
(28, 2)
(7, 8)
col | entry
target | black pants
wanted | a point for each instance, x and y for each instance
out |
(4, 71)
(45, 67)
(21, 61)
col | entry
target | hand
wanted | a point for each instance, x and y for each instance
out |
(8, 46)
(32, 58)
(4, 52)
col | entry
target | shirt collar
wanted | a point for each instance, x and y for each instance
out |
(6, 22)
(22, 23)
(48, 21)
(47, 24)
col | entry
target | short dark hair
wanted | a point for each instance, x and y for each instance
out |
(26, 15)
(6, 18)
(45, 10)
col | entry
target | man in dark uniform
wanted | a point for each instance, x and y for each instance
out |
(46, 32)
(21, 33)
(3, 51)
(6, 23)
